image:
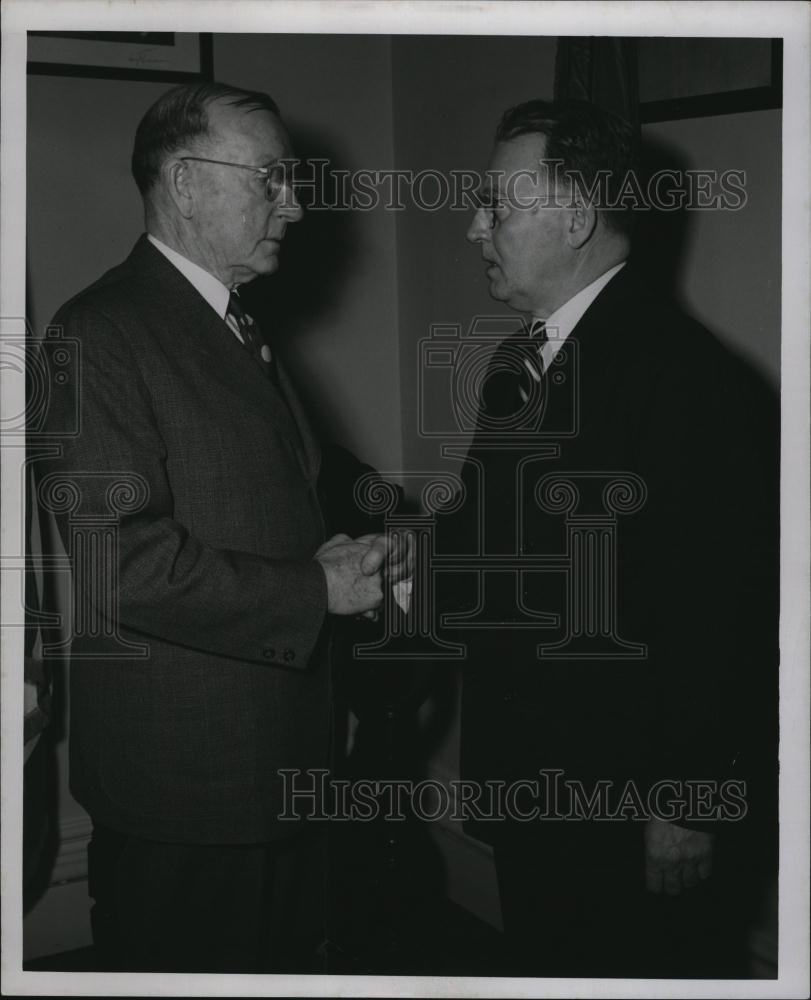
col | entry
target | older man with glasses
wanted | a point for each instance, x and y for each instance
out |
(208, 670)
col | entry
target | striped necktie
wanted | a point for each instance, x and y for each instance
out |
(533, 362)
(251, 336)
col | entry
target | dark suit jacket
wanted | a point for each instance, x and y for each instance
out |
(697, 568)
(218, 520)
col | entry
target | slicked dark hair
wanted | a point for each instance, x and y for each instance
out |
(180, 116)
(587, 139)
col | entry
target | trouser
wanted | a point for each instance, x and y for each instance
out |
(162, 907)
(564, 916)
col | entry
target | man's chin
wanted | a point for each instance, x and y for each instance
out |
(268, 263)
(503, 294)
(498, 291)
(256, 268)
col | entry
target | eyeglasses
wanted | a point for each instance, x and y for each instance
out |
(277, 175)
(488, 201)
(488, 205)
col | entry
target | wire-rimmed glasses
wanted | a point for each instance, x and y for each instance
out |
(276, 175)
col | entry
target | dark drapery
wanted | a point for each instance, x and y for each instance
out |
(601, 70)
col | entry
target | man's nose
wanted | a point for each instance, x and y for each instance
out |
(288, 206)
(479, 229)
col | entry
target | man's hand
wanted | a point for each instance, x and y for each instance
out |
(396, 550)
(352, 569)
(676, 858)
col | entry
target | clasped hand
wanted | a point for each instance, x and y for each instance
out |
(355, 569)
(676, 858)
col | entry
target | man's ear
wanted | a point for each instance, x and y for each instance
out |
(581, 224)
(177, 179)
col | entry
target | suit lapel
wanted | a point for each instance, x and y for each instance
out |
(594, 358)
(191, 328)
(599, 331)
(598, 341)
(311, 453)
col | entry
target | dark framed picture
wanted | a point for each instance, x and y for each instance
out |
(698, 77)
(121, 55)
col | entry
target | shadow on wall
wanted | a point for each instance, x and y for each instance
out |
(318, 255)
(661, 236)
(387, 876)
(661, 244)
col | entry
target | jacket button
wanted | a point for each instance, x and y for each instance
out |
(269, 653)
(289, 655)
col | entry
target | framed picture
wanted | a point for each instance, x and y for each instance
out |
(697, 77)
(121, 55)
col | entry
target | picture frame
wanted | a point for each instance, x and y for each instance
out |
(121, 55)
(735, 80)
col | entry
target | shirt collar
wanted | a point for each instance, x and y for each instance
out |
(565, 318)
(211, 288)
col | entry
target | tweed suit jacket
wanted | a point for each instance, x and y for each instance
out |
(696, 583)
(211, 474)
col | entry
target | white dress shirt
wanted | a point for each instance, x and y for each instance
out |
(211, 288)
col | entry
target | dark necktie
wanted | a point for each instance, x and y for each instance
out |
(252, 338)
(532, 361)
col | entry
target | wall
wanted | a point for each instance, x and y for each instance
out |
(338, 276)
(79, 144)
(728, 269)
(448, 96)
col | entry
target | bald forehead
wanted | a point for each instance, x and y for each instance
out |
(251, 135)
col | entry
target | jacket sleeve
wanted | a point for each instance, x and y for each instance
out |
(160, 580)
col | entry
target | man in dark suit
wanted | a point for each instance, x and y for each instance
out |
(202, 577)
(626, 424)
